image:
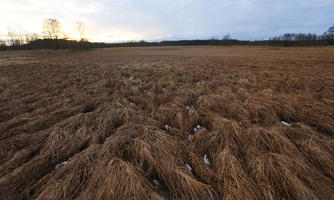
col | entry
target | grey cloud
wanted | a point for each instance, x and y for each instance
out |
(188, 19)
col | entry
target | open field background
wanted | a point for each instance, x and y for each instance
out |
(123, 119)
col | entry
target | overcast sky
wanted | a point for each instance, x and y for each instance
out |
(121, 20)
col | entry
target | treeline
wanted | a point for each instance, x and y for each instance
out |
(288, 39)
(54, 38)
(51, 44)
(302, 39)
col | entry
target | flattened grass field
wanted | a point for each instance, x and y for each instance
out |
(167, 123)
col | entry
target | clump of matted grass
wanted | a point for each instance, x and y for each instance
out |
(183, 128)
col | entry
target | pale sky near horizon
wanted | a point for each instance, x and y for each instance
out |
(124, 20)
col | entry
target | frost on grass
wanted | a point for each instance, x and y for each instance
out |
(59, 165)
(286, 123)
(206, 159)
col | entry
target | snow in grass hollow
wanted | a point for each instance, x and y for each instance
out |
(188, 167)
(59, 165)
(156, 182)
(188, 107)
(286, 123)
(206, 159)
(167, 128)
(197, 128)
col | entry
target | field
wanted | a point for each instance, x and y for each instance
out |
(167, 123)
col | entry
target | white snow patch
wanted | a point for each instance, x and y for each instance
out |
(167, 128)
(188, 107)
(189, 138)
(156, 182)
(108, 138)
(286, 123)
(188, 167)
(197, 128)
(206, 159)
(59, 165)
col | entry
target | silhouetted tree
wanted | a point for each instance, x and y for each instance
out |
(52, 29)
(15, 37)
(227, 37)
(31, 37)
(329, 35)
(82, 30)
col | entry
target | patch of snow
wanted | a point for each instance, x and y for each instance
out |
(156, 182)
(197, 128)
(189, 138)
(206, 159)
(108, 138)
(59, 165)
(188, 167)
(286, 123)
(167, 128)
(188, 107)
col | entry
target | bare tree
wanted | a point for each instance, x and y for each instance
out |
(52, 29)
(330, 31)
(82, 30)
(227, 37)
(31, 37)
(15, 37)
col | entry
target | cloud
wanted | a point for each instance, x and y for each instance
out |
(151, 19)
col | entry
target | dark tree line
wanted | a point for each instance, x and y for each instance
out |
(54, 38)
(288, 39)
(302, 39)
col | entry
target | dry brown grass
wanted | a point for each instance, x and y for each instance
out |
(123, 119)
